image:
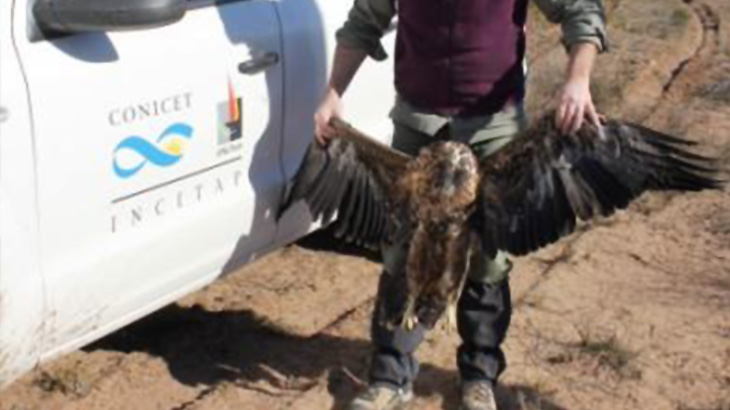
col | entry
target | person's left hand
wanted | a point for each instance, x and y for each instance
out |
(574, 105)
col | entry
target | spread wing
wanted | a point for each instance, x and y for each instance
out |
(533, 190)
(353, 175)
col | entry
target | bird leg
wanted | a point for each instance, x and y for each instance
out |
(451, 316)
(472, 253)
(410, 320)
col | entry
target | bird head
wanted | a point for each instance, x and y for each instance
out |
(448, 177)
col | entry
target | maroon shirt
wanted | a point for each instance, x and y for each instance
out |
(460, 57)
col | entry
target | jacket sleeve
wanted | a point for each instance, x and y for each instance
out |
(581, 20)
(366, 24)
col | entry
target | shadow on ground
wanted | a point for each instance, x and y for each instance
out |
(204, 348)
(325, 240)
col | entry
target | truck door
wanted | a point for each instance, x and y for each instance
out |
(309, 41)
(157, 159)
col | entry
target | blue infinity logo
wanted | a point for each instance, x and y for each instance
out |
(166, 151)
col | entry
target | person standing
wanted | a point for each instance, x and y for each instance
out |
(459, 74)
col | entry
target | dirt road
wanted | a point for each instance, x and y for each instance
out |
(632, 312)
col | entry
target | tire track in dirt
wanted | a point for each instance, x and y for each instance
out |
(710, 40)
(687, 78)
(682, 80)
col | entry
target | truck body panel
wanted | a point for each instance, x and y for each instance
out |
(139, 166)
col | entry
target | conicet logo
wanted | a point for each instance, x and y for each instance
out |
(134, 152)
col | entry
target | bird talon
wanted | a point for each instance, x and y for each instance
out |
(410, 323)
(451, 317)
(410, 320)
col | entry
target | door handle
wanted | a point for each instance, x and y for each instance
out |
(258, 64)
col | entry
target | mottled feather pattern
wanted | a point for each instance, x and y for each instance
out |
(446, 203)
(442, 181)
(436, 264)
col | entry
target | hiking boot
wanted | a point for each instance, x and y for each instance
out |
(477, 395)
(381, 397)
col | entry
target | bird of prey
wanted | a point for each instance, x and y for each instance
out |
(448, 204)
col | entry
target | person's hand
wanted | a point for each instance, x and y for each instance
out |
(331, 106)
(574, 105)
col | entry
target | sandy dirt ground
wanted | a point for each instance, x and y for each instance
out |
(632, 312)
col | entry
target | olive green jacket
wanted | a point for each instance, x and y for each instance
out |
(369, 20)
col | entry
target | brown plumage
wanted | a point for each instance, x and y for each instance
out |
(449, 204)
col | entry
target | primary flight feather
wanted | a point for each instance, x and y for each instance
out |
(448, 204)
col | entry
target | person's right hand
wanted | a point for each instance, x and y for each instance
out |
(331, 106)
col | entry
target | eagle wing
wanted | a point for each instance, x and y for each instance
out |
(354, 176)
(532, 191)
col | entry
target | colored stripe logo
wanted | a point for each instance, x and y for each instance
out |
(167, 150)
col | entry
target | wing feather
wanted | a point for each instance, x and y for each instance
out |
(533, 189)
(353, 178)
(316, 161)
(343, 224)
(357, 207)
(321, 194)
(549, 201)
(363, 211)
(340, 192)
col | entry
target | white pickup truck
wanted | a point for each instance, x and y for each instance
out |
(144, 147)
